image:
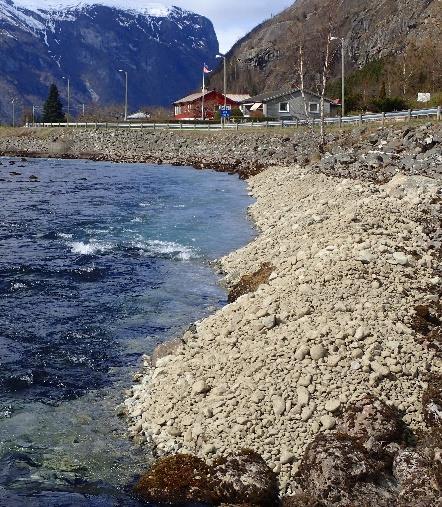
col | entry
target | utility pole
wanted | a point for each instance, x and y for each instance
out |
(125, 97)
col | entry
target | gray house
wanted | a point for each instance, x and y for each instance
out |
(288, 104)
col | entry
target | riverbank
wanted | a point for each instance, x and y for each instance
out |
(367, 152)
(341, 340)
(351, 263)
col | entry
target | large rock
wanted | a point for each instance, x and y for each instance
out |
(301, 500)
(432, 403)
(245, 479)
(241, 479)
(339, 471)
(373, 423)
(420, 485)
(176, 479)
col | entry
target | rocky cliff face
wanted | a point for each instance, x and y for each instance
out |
(162, 49)
(266, 58)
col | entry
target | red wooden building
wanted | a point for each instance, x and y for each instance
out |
(190, 107)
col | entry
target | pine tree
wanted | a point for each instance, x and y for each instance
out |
(53, 109)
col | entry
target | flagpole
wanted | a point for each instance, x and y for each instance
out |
(204, 89)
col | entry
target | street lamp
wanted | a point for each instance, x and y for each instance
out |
(220, 55)
(69, 96)
(125, 101)
(34, 107)
(13, 112)
(342, 72)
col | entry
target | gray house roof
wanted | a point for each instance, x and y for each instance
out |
(267, 97)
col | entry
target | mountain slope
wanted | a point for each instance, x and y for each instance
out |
(162, 50)
(267, 57)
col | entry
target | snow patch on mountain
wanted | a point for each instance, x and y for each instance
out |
(153, 9)
(33, 17)
(24, 19)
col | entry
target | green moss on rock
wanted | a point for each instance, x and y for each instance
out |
(242, 479)
(177, 479)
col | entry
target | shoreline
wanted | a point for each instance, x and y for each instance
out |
(338, 353)
(195, 164)
(178, 399)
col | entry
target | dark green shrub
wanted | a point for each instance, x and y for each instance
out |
(388, 104)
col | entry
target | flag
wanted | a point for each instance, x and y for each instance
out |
(206, 69)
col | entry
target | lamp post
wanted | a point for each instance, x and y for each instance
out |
(13, 112)
(68, 79)
(220, 55)
(342, 73)
(125, 99)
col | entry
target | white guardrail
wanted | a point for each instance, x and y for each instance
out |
(345, 120)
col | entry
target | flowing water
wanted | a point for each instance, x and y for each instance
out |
(99, 262)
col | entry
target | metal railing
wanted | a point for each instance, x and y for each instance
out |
(341, 121)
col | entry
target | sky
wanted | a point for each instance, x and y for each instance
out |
(232, 18)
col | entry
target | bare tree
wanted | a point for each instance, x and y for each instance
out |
(103, 113)
(301, 74)
(314, 70)
(325, 76)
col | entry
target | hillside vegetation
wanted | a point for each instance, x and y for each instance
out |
(393, 48)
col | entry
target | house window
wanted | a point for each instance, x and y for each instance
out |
(313, 107)
(283, 107)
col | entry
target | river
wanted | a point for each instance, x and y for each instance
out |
(99, 262)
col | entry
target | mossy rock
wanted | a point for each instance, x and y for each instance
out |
(242, 480)
(432, 403)
(420, 483)
(177, 479)
(245, 479)
(339, 471)
(425, 319)
(373, 423)
(301, 500)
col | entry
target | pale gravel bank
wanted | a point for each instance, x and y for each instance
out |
(268, 372)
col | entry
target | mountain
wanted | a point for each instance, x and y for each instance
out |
(162, 49)
(398, 42)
